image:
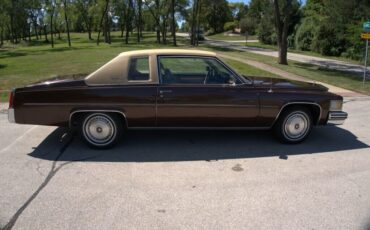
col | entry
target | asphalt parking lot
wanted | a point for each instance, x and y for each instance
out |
(187, 179)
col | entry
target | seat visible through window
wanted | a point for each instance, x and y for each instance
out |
(139, 69)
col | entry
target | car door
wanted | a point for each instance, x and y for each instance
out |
(203, 92)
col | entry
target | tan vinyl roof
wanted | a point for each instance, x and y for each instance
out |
(116, 71)
(167, 52)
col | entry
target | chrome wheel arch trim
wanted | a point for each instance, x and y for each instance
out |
(96, 111)
(298, 103)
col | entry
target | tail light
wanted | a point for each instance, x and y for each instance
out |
(11, 99)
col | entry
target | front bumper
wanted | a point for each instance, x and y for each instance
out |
(337, 118)
(11, 117)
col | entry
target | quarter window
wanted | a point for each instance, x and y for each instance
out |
(139, 69)
(194, 70)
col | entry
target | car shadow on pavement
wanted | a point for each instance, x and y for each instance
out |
(195, 145)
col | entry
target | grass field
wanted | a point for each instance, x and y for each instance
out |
(222, 36)
(338, 78)
(310, 53)
(22, 64)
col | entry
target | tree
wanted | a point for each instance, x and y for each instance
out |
(139, 19)
(283, 12)
(155, 9)
(105, 11)
(67, 23)
(173, 22)
(87, 10)
(239, 10)
(50, 9)
(128, 19)
(217, 13)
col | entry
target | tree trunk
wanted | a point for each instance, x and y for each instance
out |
(282, 30)
(164, 30)
(122, 29)
(193, 22)
(35, 26)
(128, 20)
(46, 34)
(13, 38)
(173, 22)
(29, 32)
(51, 28)
(105, 29)
(89, 31)
(58, 31)
(101, 21)
(1, 37)
(67, 24)
(89, 26)
(197, 23)
(139, 5)
(40, 31)
(157, 20)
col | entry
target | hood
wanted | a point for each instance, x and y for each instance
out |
(279, 83)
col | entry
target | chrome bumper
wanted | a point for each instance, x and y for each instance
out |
(11, 117)
(337, 118)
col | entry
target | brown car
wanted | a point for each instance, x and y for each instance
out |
(174, 89)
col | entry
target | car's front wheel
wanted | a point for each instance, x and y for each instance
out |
(101, 130)
(294, 125)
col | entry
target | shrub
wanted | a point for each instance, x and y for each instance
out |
(230, 26)
(305, 34)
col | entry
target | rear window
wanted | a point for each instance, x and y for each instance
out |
(139, 69)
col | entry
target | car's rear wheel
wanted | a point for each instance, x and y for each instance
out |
(101, 130)
(294, 125)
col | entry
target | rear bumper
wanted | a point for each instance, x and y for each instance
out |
(337, 118)
(11, 117)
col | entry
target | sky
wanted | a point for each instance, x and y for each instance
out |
(247, 1)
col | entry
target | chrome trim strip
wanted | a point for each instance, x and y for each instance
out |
(199, 128)
(96, 110)
(11, 116)
(298, 103)
(88, 104)
(208, 105)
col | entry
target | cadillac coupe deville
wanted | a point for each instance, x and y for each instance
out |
(175, 88)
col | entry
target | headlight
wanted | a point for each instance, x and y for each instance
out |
(336, 105)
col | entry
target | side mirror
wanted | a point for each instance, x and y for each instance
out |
(232, 81)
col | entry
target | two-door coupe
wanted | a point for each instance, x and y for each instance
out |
(174, 88)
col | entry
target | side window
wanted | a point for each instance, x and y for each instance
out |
(194, 70)
(139, 69)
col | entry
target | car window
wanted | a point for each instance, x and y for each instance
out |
(139, 69)
(194, 70)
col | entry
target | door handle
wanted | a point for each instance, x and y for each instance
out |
(165, 91)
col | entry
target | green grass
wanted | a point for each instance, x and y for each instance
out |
(337, 78)
(4, 96)
(309, 53)
(248, 70)
(24, 64)
(222, 36)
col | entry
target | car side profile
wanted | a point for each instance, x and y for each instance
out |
(174, 88)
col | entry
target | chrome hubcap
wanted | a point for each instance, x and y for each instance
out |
(296, 126)
(99, 129)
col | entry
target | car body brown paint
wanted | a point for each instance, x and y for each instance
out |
(255, 104)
